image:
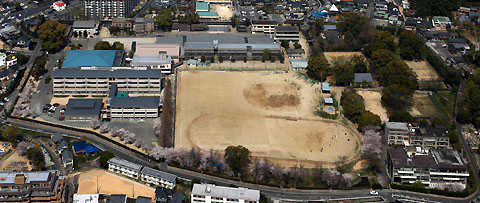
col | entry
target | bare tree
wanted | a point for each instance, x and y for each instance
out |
(157, 126)
(296, 173)
(256, 170)
(455, 187)
(104, 128)
(214, 162)
(95, 123)
(372, 146)
(23, 146)
(139, 142)
(267, 175)
(194, 158)
(277, 173)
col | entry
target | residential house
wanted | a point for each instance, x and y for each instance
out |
(123, 23)
(164, 195)
(362, 80)
(441, 21)
(67, 158)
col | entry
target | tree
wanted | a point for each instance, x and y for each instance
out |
(157, 124)
(285, 44)
(266, 55)
(95, 123)
(164, 19)
(343, 70)
(75, 34)
(352, 104)
(381, 40)
(331, 177)
(85, 34)
(372, 146)
(401, 116)
(359, 63)
(297, 45)
(351, 23)
(380, 58)
(397, 97)
(11, 133)
(139, 142)
(117, 46)
(36, 157)
(104, 128)
(237, 158)
(203, 59)
(102, 45)
(17, 5)
(21, 58)
(418, 184)
(367, 118)
(234, 21)
(398, 73)
(411, 46)
(104, 157)
(318, 68)
(256, 170)
(52, 35)
(426, 8)
(23, 146)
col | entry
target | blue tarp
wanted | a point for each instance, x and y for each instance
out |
(90, 149)
(318, 14)
(79, 147)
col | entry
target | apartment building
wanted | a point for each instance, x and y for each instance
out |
(208, 193)
(41, 186)
(159, 178)
(434, 168)
(136, 81)
(144, 25)
(287, 33)
(397, 133)
(428, 137)
(124, 167)
(266, 27)
(109, 8)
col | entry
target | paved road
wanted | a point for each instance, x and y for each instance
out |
(271, 192)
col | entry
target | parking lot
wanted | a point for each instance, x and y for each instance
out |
(251, 13)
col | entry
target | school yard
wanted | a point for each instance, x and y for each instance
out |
(271, 114)
(103, 182)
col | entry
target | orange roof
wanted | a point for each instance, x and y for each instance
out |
(60, 3)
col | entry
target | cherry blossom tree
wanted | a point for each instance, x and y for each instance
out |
(331, 177)
(129, 137)
(139, 142)
(95, 123)
(104, 128)
(372, 146)
(256, 170)
(23, 146)
(347, 179)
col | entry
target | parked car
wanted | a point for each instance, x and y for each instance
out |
(373, 192)
(6, 99)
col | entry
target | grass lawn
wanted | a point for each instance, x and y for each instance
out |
(444, 102)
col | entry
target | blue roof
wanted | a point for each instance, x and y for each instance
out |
(202, 6)
(79, 146)
(90, 149)
(99, 58)
(209, 14)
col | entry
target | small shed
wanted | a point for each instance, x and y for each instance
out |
(325, 87)
(363, 80)
(328, 101)
(192, 62)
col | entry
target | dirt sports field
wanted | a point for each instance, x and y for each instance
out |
(373, 103)
(423, 70)
(331, 55)
(270, 114)
(109, 183)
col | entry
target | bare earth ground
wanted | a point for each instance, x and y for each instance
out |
(104, 32)
(423, 70)
(16, 163)
(270, 114)
(109, 183)
(224, 11)
(373, 103)
(423, 106)
(331, 55)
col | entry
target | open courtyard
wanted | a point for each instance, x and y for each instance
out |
(270, 114)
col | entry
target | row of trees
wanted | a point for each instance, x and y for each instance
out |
(104, 45)
(237, 162)
(80, 34)
(469, 107)
(354, 109)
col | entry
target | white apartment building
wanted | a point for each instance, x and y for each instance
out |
(287, 33)
(208, 193)
(434, 168)
(266, 27)
(158, 178)
(136, 81)
(124, 167)
(109, 8)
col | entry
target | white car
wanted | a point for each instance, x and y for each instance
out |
(373, 192)
(6, 99)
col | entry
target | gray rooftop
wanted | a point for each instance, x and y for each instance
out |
(82, 24)
(141, 60)
(228, 192)
(82, 107)
(67, 155)
(396, 125)
(40, 176)
(329, 27)
(363, 77)
(286, 29)
(124, 163)
(117, 199)
(134, 102)
(199, 45)
(254, 46)
(299, 63)
(112, 73)
(161, 174)
(263, 22)
(141, 199)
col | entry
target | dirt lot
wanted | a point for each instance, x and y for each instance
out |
(270, 114)
(15, 162)
(109, 183)
(373, 103)
(224, 11)
(423, 106)
(331, 55)
(423, 70)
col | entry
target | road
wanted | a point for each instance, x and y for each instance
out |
(271, 192)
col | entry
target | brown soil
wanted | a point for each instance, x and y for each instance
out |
(272, 96)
